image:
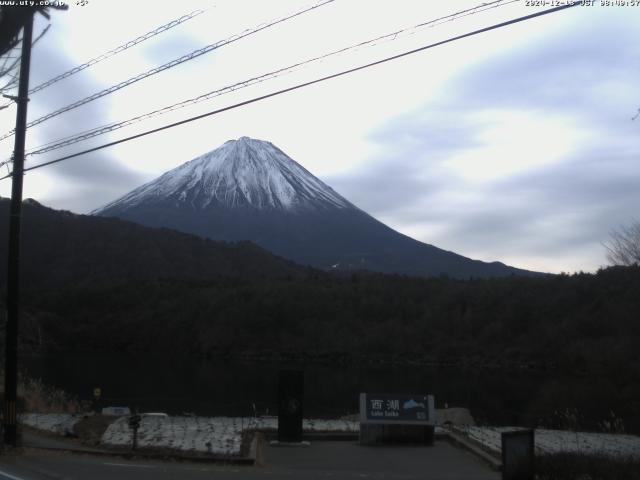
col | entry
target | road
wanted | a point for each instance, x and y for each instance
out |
(322, 460)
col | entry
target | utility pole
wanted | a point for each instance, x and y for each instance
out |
(13, 270)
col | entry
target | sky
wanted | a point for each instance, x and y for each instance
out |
(515, 145)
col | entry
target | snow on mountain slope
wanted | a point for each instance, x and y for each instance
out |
(249, 190)
(243, 172)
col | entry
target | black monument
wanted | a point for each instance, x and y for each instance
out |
(290, 403)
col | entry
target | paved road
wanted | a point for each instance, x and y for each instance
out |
(349, 460)
(59, 466)
(322, 460)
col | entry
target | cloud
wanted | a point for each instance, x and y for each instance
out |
(526, 155)
(408, 171)
(571, 70)
(453, 174)
(167, 48)
(580, 199)
(86, 182)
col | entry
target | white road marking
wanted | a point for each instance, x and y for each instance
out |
(8, 475)
(128, 465)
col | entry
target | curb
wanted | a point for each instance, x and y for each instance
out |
(331, 437)
(318, 436)
(250, 459)
(255, 455)
(460, 441)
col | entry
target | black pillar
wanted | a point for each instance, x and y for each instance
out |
(290, 403)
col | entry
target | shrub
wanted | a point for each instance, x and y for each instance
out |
(580, 466)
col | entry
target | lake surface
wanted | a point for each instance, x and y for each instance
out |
(222, 387)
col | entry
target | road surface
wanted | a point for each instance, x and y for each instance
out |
(322, 460)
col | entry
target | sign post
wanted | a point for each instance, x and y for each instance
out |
(97, 393)
(134, 425)
(394, 418)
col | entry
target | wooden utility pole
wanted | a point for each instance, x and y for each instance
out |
(13, 270)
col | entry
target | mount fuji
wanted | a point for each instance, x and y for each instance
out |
(249, 189)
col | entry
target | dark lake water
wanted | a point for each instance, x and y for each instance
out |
(219, 387)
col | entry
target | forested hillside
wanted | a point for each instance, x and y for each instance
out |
(61, 249)
(99, 284)
(95, 285)
(580, 323)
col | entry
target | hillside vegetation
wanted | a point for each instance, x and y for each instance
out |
(103, 285)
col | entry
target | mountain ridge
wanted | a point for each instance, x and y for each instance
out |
(61, 248)
(251, 190)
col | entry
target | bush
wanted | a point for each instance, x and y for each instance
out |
(579, 466)
(34, 396)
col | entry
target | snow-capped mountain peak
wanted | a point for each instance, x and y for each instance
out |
(241, 173)
(249, 190)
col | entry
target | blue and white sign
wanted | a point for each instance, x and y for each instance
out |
(385, 408)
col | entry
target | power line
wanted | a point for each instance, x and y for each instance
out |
(171, 64)
(118, 49)
(66, 141)
(103, 129)
(110, 53)
(4, 70)
(13, 80)
(302, 85)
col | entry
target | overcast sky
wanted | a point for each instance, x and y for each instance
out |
(516, 145)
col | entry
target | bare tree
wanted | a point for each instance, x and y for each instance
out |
(12, 19)
(623, 246)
